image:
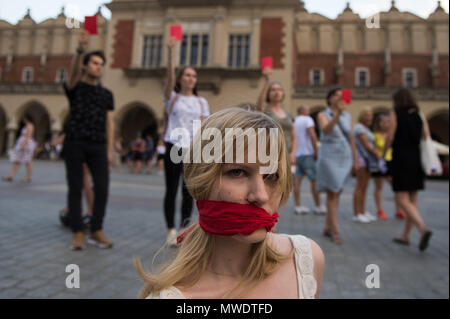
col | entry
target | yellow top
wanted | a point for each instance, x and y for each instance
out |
(379, 145)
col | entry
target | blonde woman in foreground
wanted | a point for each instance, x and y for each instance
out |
(231, 252)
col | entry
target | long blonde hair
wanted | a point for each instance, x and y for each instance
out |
(195, 252)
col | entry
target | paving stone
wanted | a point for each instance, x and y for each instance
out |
(11, 293)
(34, 247)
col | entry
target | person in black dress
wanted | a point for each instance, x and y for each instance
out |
(407, 174)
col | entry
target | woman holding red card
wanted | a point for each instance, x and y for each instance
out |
(337, 157)
(230, 252)
(272, 95)
(183, 106)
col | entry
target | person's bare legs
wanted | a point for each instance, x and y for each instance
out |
(29, 166)
(397, 205)
(408, 222)
(161, 165)
(296, 192)
(315, 193)
(331, 222)
(130, 164)
(149, 166)
(118, 163)
(407, 230)
(364, 185)
(14, 170)
(357, 193)
(406, 202)
(378, 191)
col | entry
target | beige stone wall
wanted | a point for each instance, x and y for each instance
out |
(304, 32)
(51, 36)
(406, 32)
(221, 22)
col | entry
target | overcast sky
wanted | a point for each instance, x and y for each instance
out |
(13, 10)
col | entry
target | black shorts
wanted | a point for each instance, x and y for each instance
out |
(160, 157)
(138, 156)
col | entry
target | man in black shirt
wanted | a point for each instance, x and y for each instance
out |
(89, 139)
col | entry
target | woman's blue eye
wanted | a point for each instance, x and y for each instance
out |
(236, 172)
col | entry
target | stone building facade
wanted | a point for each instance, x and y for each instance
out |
(224, 40)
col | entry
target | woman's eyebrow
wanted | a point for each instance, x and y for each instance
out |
(237, 165)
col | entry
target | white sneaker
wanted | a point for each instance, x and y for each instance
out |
(301, 210)
(320, 210)
(323, 209)
(360, 218)
(370, 217)
(172, 237)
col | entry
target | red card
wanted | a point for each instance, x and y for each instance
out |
(347, 96)
(267, 62)
(176, 32)
(90, 24)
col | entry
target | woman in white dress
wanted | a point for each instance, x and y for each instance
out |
(231, 252)
(23, 151)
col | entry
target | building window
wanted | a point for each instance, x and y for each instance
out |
(205, 48)
(27, 74)
(362, 77)
(316, 77)
(151, 55)
(409, 77)
(239, 51)
(61, 75)
(195, 50)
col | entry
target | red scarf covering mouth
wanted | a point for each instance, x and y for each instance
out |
(228, 219)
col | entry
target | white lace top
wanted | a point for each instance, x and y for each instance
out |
(304, 264)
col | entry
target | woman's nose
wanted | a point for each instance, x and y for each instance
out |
(258, 194)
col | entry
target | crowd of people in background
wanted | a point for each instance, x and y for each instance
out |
(382, 149)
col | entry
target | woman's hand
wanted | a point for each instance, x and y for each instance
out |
(171, 44)
(355, 167)
(267, 72)
(110, 157)
(83, 40)
(293, 158)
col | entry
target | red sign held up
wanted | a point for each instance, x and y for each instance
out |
(176, 32)
(90, 25)
(267, 62)
(347, 96)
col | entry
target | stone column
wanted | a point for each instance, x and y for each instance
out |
(255, 40)
(219, 39)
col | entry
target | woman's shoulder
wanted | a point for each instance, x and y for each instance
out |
(168, 293)
(284, 243)
(309, 262)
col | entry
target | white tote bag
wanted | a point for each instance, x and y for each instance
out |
(430, 160)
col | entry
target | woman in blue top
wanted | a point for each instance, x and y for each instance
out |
(367, 161)
(337, 157)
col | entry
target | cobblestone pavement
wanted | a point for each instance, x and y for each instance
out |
(34, 247)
